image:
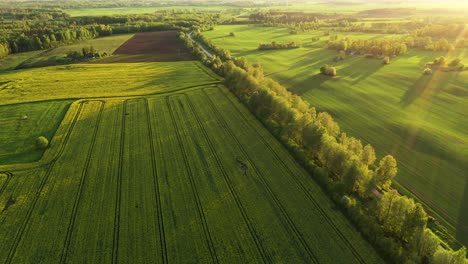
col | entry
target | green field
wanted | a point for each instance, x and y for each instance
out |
(14, 60)
(22, 123)
(100, 80)
(421, 120)
(158, 178)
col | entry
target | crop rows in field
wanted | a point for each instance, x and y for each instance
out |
(159, 179)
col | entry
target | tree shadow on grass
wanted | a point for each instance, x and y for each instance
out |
(359, 72)
(310, 83)
(462, 225)
(417, 90)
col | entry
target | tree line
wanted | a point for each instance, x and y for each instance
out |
(52, 31)
(375, 46)
(275, 45)
(342, 164)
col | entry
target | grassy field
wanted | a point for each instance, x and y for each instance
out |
(419, 119)
(100, 80)
(167, 173)
(14, 60)
(55, 56)
(22, 123)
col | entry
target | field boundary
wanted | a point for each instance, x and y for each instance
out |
(201, 213)
(302, 187)
(84, 173)
(51, 165)
(9, 175)
(45, 162)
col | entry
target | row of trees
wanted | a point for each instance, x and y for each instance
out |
(346, 168)
(376, 47)
(442, 64)
(86, 53)
(434, 35)
(275, 45)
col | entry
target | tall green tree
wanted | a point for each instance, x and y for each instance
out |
(386, 171)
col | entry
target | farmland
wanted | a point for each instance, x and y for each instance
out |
(165, 169)
(154, 162)
(100, 80)
(124, 141)
(140, 48)
(418, 119)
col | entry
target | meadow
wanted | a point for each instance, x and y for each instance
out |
(177, 177)
(418, 119)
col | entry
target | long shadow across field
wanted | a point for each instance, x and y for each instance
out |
(462, 225)
(311, 83)
(416, 91)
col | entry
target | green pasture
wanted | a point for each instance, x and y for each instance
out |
(421, 120)
(159, 178)
(21, 124)
(100, 80)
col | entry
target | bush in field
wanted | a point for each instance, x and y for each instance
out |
(232, 34)
(427, 71)
(42, 142)
(441, 61)
(386, 60)
(455, 62)
(328, 70)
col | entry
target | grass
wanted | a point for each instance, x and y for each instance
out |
(22, 124)
(100, 80)
(58, 55)
(419, 119)
(156, 178)
(14, 60)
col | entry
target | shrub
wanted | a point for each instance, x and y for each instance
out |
(328, 70)
(455, 62)
(386, 60)
(331, 71)
(427, 71)
(42, 142)
(232, 34)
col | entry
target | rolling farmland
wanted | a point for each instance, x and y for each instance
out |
(418, 119)
(100, 80)
(160, 178)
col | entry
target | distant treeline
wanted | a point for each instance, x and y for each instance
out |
(425, 33)
(275, 45)
(376, 47)
(348, 170)
(49, 30)
(391, 46)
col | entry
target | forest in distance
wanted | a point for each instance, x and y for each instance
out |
(233, 131)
